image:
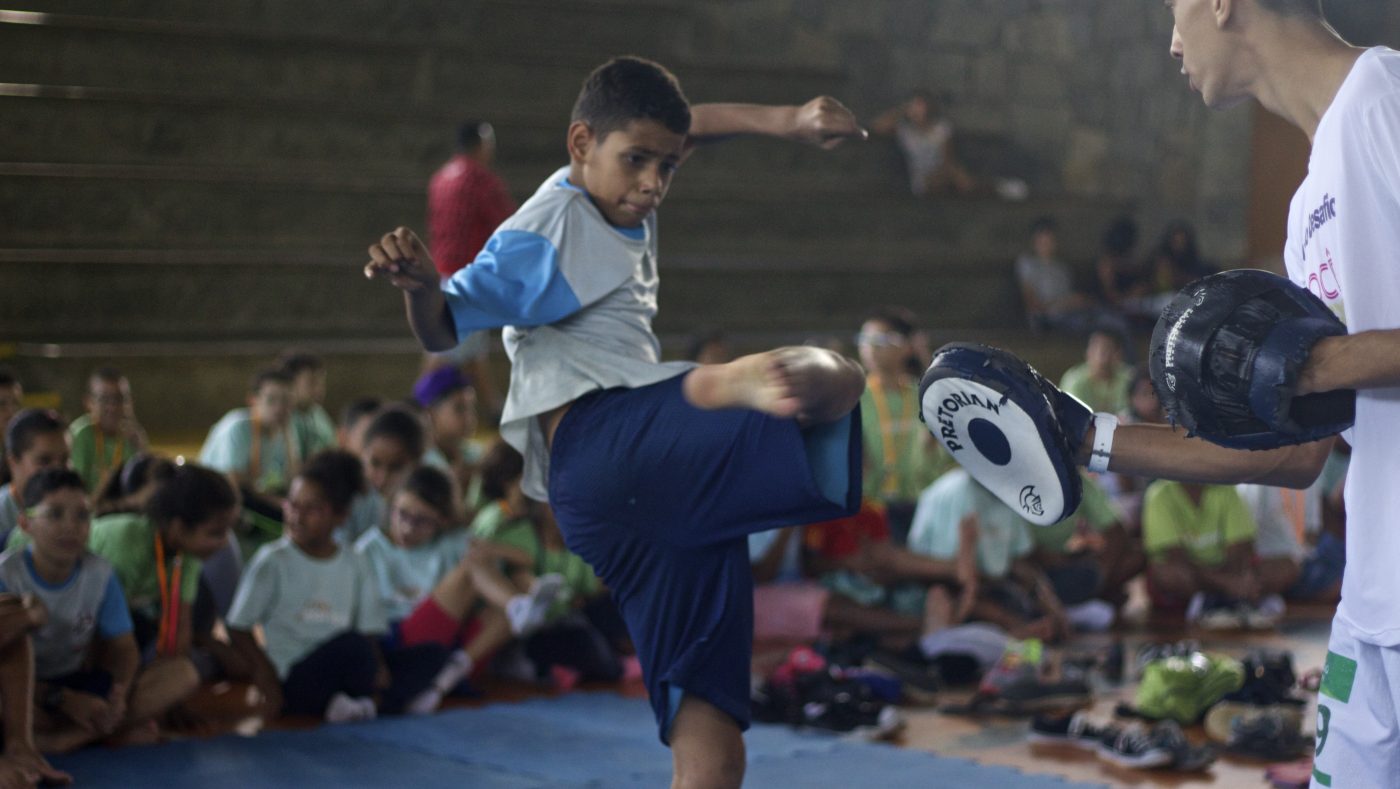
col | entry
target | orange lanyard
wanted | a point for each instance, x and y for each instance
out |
(890, 486)
(100, 444)
(167, 640)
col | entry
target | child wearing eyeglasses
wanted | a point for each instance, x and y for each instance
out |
(91, 684)
(440, 587)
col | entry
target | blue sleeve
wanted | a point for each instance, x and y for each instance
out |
(515, 281)
(113, 618)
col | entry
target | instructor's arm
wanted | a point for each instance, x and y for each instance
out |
(1366, 360)
(1160, 451)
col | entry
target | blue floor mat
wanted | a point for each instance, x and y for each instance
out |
(580, 740)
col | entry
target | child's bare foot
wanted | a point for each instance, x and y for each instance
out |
(16, 776)
(810, 384)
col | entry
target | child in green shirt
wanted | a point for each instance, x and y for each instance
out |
(108, 434)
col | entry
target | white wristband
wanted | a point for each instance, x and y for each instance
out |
(1104, 425)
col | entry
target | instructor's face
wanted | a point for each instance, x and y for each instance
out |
(1200, 42)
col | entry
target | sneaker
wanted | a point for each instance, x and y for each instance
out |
(1225, 716)
(347, 709)
(1272, 736)
(1265, 615)
(529, 612)
(845, 707)
(1091, 616)
(1133, 747)
(1075, 730)
(920, 682)
(1185, 756)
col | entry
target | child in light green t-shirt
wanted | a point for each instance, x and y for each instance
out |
(256, 445)
(108, 434)
(1102, 379)
(312, 427)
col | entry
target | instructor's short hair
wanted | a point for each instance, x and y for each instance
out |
(628, 88)
(1311, 8)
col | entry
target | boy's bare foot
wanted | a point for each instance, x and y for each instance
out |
(16, 776)
(812, 385)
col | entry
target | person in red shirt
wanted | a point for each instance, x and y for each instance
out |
(466, 203)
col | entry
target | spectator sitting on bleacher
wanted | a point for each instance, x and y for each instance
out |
(393, 447)
(925, 137)
(1102, 379)
(11, 400)
(1047, 285)
(256, 445)
(1177, 261)
(1122, 277)
(85, 613)
(34, 441)
(108, 433)
(1200, 547)
(312, 427)
(355, 419)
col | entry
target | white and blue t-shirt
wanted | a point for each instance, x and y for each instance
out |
(577, 296)
(89, 604)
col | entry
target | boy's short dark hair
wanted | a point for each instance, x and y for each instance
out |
(193, 494)
(900, 320)
(1311, 8)
(471, 133)
(338, 474)
(400, 425)
(50, 480)
(627, 89)
(294, 362)
(434, 488)
(1044, 224)
(269, 376)
(360, 406)
(501, 465)
(28, 425)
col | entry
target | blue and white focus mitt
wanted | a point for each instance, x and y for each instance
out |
(1015, 432)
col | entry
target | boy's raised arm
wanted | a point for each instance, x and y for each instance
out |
(823, 121)
(402, 258)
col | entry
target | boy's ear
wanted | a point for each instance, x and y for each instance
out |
(580, 140)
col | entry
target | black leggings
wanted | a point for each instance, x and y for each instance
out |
(347, 664)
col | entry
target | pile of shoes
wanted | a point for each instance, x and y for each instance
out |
(1214, 612)
(1262, 719)
(1018, 685)
(807, 692)
(1182, 687)
(1161, 746)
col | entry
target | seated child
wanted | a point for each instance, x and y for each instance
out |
(440, 587)
(318, 606)
(1200, 549)
(11, 400)
(311, 425)
(1047, 285)
(1102, 379)
(108, 433)
(1089, 555)
(34, 441)
(392, 448)
(510, 521)
(84, 613)
(354, 421)
(1008, 590)
(449, 403)
(131, 486)
(256, 445)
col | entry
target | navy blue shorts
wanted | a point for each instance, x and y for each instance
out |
(659, 498)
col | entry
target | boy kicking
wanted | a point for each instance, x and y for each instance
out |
(656, 472)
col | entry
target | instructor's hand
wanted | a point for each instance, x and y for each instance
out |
(403, 259)
(825, 122)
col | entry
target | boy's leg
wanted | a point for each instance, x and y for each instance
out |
(343, 664)
(161, 684)
(813, 385)
(707, 748)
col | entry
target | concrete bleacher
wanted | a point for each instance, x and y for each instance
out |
(195, 183)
